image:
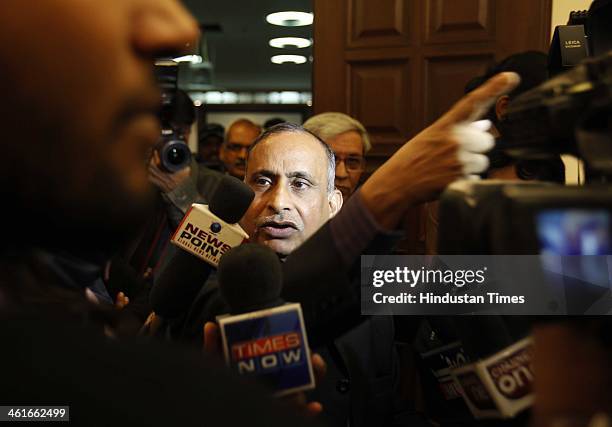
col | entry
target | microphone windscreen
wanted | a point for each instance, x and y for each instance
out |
(231, 199)
(250, 278)
(178, 284)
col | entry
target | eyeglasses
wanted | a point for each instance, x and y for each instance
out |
(351, 163)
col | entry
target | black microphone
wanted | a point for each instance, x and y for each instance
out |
(204, 235)
(263, 337)
(250, 278)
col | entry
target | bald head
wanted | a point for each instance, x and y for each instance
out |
(238, 139)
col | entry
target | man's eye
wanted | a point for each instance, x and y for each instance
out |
(262, 181)
(301, 184)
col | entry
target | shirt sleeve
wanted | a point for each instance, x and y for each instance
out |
(354, 230)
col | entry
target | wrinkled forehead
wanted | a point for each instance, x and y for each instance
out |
(287, 153)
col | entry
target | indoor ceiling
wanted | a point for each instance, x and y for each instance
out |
(237, 35)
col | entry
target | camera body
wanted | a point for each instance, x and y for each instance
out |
(568, 114)
(173, 151)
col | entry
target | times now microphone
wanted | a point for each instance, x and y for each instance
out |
(499, 384)
(204, 235)
(262, 337)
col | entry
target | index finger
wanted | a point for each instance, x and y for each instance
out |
(475, 104)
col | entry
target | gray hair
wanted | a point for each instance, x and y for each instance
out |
(293, 128)
(330, 125)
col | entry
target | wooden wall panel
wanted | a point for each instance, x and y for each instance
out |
(328, 71)
(444, 79)
(452, 21)
(396, 65)
(369, 101)
(378, 23)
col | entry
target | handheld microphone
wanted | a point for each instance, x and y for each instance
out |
(263, 337)
(205, 234)
(499, 383)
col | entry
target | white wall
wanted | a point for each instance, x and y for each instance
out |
(562, 8)
(574, 173)
(227, 118)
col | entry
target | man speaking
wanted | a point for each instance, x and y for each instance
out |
(292, 173)
(75, 177)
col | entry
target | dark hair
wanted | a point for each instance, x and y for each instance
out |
(183, 111)
(531, 66)
(273, 122)
(211, 129)
(293, 128)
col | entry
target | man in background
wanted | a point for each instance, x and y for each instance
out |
(240, 135)
(350, 142)
(209, 144)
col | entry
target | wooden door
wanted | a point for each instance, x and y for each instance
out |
(396, 65)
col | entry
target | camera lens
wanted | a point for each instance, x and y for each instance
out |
(176, 156)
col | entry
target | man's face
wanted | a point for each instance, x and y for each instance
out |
(88, 97)
(209, 147)
(233, 152)
(288, 172)
(350, 162)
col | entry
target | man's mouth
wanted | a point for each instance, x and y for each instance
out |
(344, 189)
(278, 230)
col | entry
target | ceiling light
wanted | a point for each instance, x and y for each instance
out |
(282, 59)
(290, 19)
(194, 59)
(297, 42)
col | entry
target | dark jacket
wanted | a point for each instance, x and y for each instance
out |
(360, 387)
(55, 353)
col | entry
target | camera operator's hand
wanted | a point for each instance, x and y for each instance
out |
(422, 168)
(166, 181)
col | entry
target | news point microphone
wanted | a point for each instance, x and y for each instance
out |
(263, 337)
(205, 234)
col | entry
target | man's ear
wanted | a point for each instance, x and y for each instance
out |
(335, 202)
(501, 106)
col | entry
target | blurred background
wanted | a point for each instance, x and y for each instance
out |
(394, 65)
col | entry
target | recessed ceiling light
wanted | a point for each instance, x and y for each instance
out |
(282, 59)
(194, 59)
(282, 42)
(290, 19)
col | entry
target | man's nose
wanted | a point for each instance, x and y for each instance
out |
(162, 28)
(279, 199)
(242, 154)
(341, 172)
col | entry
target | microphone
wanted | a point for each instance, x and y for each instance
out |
(204, 234)
(263, 337)
(499, 382)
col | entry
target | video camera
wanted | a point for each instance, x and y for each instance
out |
(173, 151)
(568, 114)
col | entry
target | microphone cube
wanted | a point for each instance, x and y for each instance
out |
(271, 346)
(207, 236)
